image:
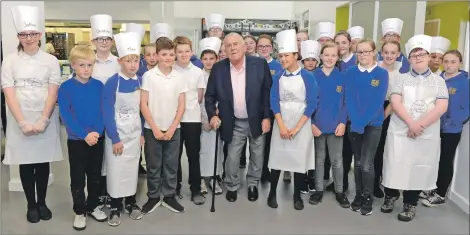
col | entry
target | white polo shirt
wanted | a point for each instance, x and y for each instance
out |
(104, 69)
(195, 80)
(164, 92)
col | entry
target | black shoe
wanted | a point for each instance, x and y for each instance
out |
(342, 200)
(298, 203)
(316, 198)
(252, 193)
(172, 204)
(330, 187)
(151, 205)
(142, 170)
(44, 213)
(389, 204)
(378, 193)
(231, 196)
(367, 205)
(272, 201)
(33, 215)
(357, 203)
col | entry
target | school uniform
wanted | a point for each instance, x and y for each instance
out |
(452, 123)
(365, 93)
(293, 95)
(161, 156)
(394, 25)
(30, 76)
(191, 125)
(81, 111)
(348, 62)
(197, 62)
(412, 164)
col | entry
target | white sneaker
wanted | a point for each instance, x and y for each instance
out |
(79, 223)
(98, 215)
(218, 190)
(203, 187)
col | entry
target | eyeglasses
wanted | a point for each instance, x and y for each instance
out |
(263, 47)
(26, 35)
(363, 53)
(101, 40)
(215, 30)
(391, 36)
(418, 56)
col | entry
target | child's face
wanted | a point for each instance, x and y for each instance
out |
(301, 36)
(419, 59)
(451, 63)
(436, 61)
(390, 54)
(354, 43)
(166, 57)
(250, 45)
(391, 37)
(83, 68)
(183, 53)
(208, 59)
(103, 44)
(287, 59)
(310, 64)
(222, 54)
(329, 57)
(343, 44)
(29, 39)
(324, 40)
(150, 56)
(129, 65)
(365, 54)
(264, 47)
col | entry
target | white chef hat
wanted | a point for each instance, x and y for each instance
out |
(127, 43)
(25, 18)
(161, 30)
(210, 43)
(215, 20)
(419, 41)
(136, 28)
(356, 32)
(101, 26)
(287, 41)
(392, 25)
(439, 45)
(310, 49)
(325, 29)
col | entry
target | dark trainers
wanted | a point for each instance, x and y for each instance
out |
(172, 204)
(198, 198)
(432, 201)
(367, 205)
(342, 200)
(357, 203)
(114, 218)
(408, 213)
(316, 198)
(33, 215)
(298, 203)
(44, 213)
(389, 203)
(151, 205)
(133, 211)
(272, 201)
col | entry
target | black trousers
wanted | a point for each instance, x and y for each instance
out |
(190, 137)
(116, 203)
(85, 165)
(409, 196)
(34, 178)
(449, 143)
(379, 155)
(298, 182)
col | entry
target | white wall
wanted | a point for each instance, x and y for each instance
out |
(319, 11)
(459, 193)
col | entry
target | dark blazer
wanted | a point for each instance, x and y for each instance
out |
(219, 91)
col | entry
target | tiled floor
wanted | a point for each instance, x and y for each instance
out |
(241, 217)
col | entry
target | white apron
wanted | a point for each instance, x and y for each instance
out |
(298, 154)
(31, 86)
(122, 171)
(412, 164)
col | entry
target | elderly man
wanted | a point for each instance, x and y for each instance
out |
(240, 87)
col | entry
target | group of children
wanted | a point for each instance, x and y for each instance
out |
(332, 98)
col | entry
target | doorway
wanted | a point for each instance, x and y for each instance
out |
(432, 27)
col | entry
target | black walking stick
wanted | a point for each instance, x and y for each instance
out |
(215, 168)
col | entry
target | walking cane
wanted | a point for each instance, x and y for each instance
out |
(215, 167)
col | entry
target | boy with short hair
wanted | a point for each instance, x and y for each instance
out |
(124, 137)
(162, 105)
(191, 121)
(80, 108)
(150, 59)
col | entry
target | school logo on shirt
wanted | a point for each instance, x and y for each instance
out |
(452, 90)
(375, 83)
(273, 71)
(339, 89)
